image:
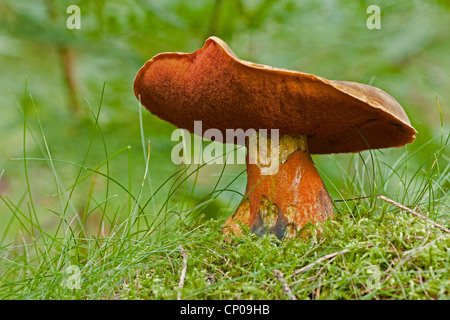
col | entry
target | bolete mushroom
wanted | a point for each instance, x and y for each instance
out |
(313, 115)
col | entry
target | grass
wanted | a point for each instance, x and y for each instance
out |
(135, 246)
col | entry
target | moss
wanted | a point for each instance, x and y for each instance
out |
(381, 263)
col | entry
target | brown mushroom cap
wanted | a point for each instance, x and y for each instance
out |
(225, 92)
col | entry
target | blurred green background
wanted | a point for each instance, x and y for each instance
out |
(65, 71)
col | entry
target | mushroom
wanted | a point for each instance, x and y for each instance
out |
(313, 115)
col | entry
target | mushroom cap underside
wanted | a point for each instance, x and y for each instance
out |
(214, 86)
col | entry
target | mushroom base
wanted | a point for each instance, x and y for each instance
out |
(282, 203)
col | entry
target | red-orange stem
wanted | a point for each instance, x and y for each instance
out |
(284, 202)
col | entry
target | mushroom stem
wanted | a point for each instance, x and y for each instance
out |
(285, 200)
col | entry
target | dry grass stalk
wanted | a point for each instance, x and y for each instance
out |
(434, 224)
(284, 286)
(183, 272)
